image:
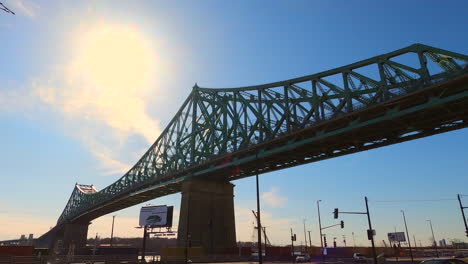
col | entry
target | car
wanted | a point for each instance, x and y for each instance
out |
(359, 258)
(303, 258)
(443, 261)
(460, 255)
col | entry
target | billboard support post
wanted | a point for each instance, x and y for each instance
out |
(143, 250)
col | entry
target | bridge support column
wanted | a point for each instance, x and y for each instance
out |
(74, 237)
(207, 216)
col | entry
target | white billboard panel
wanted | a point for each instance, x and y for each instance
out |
(156, 216)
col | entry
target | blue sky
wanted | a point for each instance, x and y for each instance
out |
(61, 123)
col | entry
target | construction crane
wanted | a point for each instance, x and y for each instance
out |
(267, 241)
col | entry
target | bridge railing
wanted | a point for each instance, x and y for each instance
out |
(212, 122)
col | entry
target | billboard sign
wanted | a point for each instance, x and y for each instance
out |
(156, 216)
(396, 237)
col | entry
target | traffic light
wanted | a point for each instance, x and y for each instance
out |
(325, 241)
(342, 224)
(335, 213)
(294, 237)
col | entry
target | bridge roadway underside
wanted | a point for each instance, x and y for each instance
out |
(436, 109)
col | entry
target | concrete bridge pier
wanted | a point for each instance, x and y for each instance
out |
(74, 237)
(68, 238)
(207, 216)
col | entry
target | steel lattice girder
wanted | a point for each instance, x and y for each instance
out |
(227, 131)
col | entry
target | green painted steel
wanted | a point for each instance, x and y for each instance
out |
(217, 123)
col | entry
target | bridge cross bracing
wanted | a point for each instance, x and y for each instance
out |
(224, 132)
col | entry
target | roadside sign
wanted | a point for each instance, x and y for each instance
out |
(156, 216)
(396, 237)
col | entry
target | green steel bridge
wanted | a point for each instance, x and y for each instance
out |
(233, 133)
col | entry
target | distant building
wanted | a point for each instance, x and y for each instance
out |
(459, 244)
(442, 243)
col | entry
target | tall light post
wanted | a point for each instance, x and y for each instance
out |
(433, 237)
(320, 224)
(259, 231)
(407, 235)
(463, 213)
(354, 240)
(112, 231)
(305, 235)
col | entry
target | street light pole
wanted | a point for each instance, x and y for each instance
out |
(259, 230)
(320, 224)
(407, 235)
(305, 235)
(433, 237)
(463, 214)
(354, 240)
(112, 232)
(310, 240)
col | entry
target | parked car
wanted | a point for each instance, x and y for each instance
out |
(460, 255)
(359, 258)
(303, 258)
(443, 261)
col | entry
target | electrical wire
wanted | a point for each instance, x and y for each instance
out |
(6, 9)
(413, 200)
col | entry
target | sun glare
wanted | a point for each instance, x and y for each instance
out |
(113, 57)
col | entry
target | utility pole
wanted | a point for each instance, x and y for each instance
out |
(433, 237)
(305, 235)
(354, 240)
(370, 232)
(407, 234)
(463, 213)
(112, 232)
(259, 229)
(264, 237)
(310, 241)
(415, 244)
(292, 243)
(320, 224)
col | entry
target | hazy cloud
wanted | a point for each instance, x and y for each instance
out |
(272, 198)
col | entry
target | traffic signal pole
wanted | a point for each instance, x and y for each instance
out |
(463, 213)
(371, 231)
(320, 224)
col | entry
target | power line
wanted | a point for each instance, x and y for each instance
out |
(6, 9)
(413, 200)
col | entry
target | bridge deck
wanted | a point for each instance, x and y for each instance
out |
(228, 134)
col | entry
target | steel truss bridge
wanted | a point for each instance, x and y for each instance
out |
(233, 133)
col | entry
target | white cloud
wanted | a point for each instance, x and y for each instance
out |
(277, 228)
(103, 115)
(272, 198)
(24, 7)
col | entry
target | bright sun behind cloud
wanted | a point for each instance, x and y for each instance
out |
(115, 57)
(103, 90)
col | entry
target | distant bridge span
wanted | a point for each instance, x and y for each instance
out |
(228, 134)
